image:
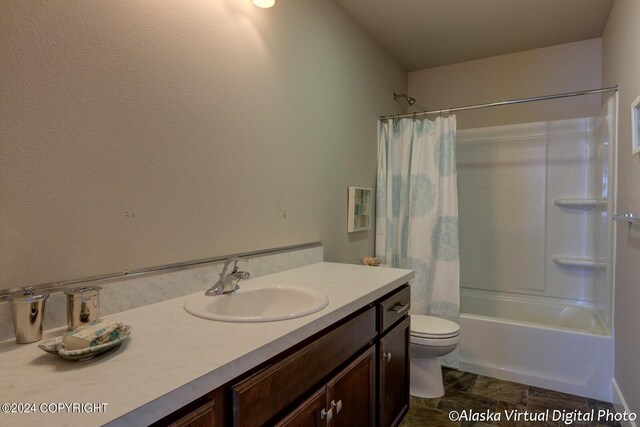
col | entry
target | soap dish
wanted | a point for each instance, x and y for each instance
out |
(55, 346)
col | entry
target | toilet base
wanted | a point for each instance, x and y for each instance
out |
(426, 378)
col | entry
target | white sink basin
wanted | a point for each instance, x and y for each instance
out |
(261, 304)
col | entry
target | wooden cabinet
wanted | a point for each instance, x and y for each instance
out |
(363, 393)
(348, 399)
(261, 398)
(204, 412)
(354, 373)
(393, 357)
(351, 393)
(393, 308)
(393, 390)
(312, 412)
(204, 416)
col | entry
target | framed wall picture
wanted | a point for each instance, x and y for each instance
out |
(635, 126)
(359, 210)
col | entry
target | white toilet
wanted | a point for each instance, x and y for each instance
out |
(431, 338)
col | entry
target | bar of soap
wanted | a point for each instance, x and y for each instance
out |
(90, 335)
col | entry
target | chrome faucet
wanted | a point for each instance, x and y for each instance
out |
(228, 281)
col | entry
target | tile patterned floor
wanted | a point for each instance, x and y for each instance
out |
(473, 393)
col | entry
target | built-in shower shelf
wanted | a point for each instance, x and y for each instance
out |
(579, 262)
(579, 203)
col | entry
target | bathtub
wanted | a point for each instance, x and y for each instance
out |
(537, 342)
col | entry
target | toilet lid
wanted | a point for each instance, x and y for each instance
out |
(430, 326)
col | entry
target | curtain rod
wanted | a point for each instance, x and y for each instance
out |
(496, 104)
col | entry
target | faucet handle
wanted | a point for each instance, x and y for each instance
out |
(234, 261)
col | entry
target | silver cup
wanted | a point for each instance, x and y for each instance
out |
(83, 306)
(28, 316)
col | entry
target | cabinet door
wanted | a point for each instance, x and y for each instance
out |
(394, 374)
(310, 413)
(260, 398)
(204, 416)
(351, 393)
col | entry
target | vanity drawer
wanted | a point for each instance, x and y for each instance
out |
(394, 307)
(261, 397)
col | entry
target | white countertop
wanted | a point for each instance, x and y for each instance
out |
(172, 357)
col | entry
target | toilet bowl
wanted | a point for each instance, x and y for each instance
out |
(431, 338)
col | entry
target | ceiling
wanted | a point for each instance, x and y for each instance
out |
(429, 33)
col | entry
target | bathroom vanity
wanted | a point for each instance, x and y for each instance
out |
(355, 372)
(344, 365)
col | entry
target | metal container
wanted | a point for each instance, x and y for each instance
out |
(28, 315)
(83, 306)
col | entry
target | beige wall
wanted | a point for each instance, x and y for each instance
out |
(143, 133)
(556, 69)
(621, 62)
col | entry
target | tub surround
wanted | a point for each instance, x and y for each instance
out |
(538, 309)
(173, 357)
(536, 193)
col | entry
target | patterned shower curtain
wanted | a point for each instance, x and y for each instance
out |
(417, 210)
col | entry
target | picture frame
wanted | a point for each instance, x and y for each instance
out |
(359, 209)
(635, 126)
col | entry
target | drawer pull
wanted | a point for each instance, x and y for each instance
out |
(400, 308)
(387, 356)
(326, 414)
(336, 406)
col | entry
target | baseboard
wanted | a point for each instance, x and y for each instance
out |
(621, 405)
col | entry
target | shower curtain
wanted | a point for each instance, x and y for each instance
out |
(417, 210)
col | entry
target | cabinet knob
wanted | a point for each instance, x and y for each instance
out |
(336, 406)
(387, 356)
(326, 414)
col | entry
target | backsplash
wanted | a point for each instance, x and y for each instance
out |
(126, 294)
